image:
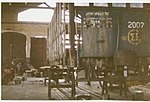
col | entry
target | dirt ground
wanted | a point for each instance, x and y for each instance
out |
(34, 89)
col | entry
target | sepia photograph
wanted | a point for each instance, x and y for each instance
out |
(75, 50)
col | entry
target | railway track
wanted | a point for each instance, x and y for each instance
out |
(60, 95)
(91, 92)
(65, 93)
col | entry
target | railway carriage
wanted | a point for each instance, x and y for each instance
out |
(13, 46)
(119, 34)
(111, 40)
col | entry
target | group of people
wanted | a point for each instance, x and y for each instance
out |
(18, 67)
(10, 70)
(91, 67)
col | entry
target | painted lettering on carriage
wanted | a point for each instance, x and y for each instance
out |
(133, 24)
(97, 19)
(134, 37)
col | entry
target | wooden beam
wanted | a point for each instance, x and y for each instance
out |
(72, 32)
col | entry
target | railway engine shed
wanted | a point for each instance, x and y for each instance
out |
(87, 51)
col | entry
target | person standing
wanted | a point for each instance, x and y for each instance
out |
(88, 71)
(14, 67)
(19, 67)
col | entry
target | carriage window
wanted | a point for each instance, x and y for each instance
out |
(81, 4)
(119, 4)
(136, 5)
(101, 4)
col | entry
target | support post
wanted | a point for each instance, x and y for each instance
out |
(64, 32)
(73, 84)
(49, 83)
(72, 33)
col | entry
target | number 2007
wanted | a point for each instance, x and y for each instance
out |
(135, 24)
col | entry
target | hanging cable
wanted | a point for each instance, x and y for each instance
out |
(118, 34)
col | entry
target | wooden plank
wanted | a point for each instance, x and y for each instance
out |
(72, 33)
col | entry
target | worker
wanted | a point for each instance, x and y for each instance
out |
(88, 68)
(19, 68)
(14, 67)
(98, 67)
(92, 66)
